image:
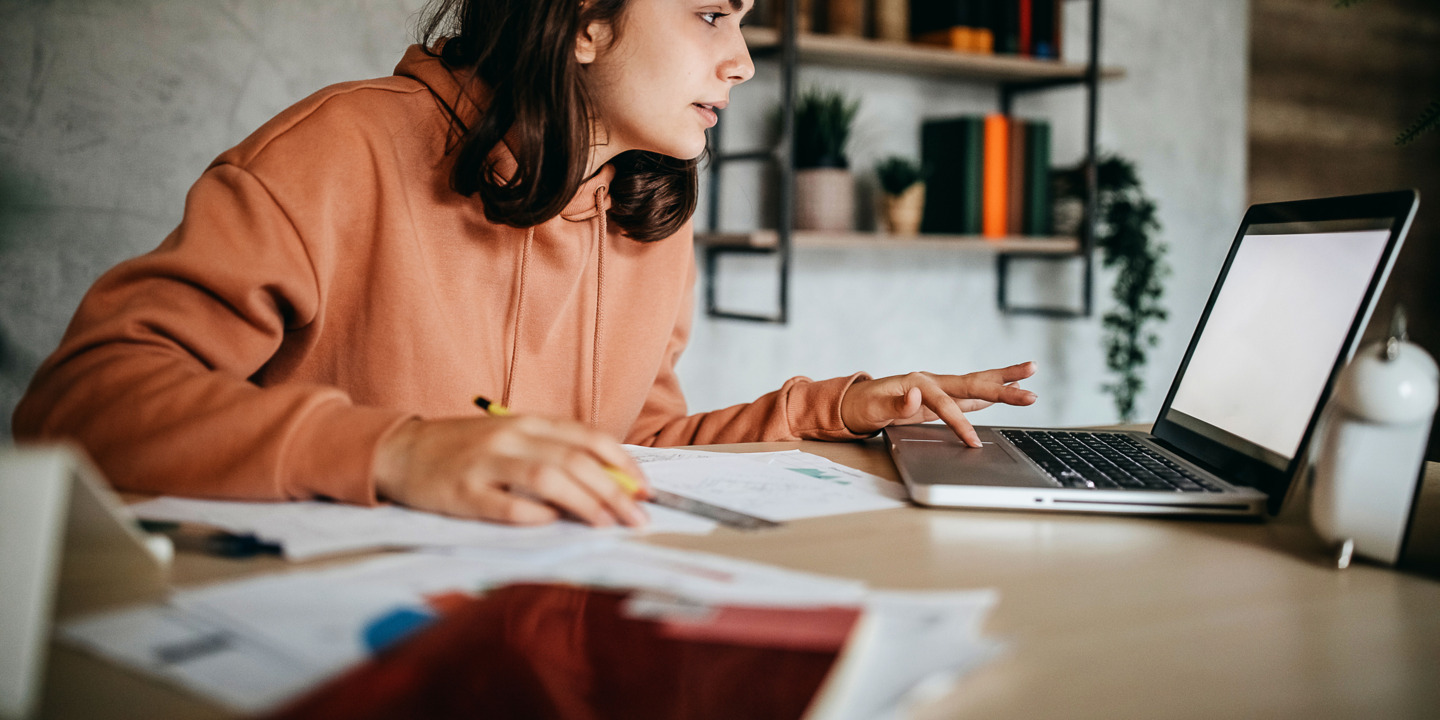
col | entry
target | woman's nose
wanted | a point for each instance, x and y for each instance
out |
(738, 68)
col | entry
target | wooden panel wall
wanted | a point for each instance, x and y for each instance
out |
(1330, 88)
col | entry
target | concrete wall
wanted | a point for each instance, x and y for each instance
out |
(109, 109)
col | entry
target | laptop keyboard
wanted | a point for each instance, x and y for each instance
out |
(1105, 461)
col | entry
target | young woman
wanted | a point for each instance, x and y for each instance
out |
(507, 216)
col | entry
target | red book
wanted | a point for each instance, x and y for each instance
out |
(1015, 213)
(996, 193)
(1027, 11)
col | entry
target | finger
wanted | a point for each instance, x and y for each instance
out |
(1005, 375)
(940, 401)
(604, 448)
(977, 387)
(910, 403)
(971, 405)
(492, 503)
(550, 482)
(1018, 371)
(610, 491)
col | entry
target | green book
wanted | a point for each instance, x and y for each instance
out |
(974, 190)
(952, 150)
(1037, 178)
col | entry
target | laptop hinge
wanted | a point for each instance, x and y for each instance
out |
(1198, 462)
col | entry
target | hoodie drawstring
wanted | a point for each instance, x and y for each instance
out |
(519, 315)
(602, 241)
(601, 237)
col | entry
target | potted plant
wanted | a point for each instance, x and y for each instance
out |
(902, 182)
(824, 186)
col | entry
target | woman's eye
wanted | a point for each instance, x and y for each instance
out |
(711, 17)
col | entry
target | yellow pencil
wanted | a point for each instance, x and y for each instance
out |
(492, 408)
(626, 483)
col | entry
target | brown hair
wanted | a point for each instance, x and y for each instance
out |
(523, 51)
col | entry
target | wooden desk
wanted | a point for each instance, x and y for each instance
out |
(1102, 616)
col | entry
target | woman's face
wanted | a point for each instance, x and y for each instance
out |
(659, 87)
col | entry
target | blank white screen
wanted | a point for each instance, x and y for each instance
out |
(1275, 332)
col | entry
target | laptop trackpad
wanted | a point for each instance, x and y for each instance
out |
(934, 456)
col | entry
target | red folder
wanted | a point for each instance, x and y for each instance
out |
(553, 651)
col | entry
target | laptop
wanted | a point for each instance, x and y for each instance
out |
(1287, 311)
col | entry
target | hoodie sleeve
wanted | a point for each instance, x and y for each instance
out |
(152, 377)
(802, 409)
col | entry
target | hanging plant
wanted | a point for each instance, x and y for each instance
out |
(1124, 232)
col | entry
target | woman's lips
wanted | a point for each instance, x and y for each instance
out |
(707, 113)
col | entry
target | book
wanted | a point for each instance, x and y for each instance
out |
(1045, 28)
(1017, 176)
(1027, 20)
(995, 192)
(952, 149)
(1038, 212)
(955, 24)
(1007, 27)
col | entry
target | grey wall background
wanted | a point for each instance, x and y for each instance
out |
(109, 109)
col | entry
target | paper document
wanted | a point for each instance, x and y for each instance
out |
(252, 644)
(777, 489)
(307, 530)
(910, 648)
(777, 486)
(204, 657)
(797, 461)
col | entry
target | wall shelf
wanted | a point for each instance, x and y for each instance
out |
(1011, 75)
(769, 239)
(868, 54)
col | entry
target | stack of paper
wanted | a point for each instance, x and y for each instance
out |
(253, 644)
(775, 486)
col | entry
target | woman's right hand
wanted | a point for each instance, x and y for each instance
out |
(517, 469)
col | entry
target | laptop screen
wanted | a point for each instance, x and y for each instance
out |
(1274, 332)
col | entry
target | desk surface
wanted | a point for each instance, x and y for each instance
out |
(1102, 616)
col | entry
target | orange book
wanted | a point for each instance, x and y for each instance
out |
(995, 195)
(964, 39)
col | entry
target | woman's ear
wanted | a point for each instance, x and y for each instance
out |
(591, 39)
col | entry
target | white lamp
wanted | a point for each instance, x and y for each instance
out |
(1371, 448)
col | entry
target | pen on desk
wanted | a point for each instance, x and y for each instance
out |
(621, 478)
(211, 542)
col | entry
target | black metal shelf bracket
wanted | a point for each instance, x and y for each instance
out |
(1086, 253)
(783, 160)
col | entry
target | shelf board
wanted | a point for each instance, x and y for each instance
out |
(870, 54)
(760, 239)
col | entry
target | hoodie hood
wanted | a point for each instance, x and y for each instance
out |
(560, 273)
(449, 88)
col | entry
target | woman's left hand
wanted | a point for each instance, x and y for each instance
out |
(870, 405)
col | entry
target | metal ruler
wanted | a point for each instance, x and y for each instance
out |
(724, 516)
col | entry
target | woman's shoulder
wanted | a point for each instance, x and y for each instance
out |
(339, 119)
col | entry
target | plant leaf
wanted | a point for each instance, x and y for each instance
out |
(1429, 120)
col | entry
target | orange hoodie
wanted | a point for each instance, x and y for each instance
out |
(325, 285)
